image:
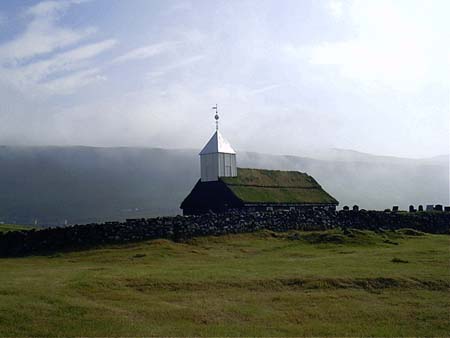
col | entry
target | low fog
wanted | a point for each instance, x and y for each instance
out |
(84, 184)
(90, 89)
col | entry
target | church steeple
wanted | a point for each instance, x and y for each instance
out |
(218, 158)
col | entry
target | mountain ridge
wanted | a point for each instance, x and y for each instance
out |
(81, 184)
(316, 153)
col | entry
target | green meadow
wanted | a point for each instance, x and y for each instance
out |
(333, 283)
(13, 227)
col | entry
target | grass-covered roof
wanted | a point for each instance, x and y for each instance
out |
(275, 186)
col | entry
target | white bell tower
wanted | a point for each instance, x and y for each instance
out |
(218, 158)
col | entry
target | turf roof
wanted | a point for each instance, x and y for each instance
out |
(275, 186)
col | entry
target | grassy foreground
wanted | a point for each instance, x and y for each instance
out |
(272, 284)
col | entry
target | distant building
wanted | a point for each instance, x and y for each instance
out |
(222, 186)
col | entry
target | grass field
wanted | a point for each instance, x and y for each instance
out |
(272, 284)
(13, 227)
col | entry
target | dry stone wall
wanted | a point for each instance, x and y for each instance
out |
(180, 228)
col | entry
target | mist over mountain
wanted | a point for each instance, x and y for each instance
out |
(89, 184)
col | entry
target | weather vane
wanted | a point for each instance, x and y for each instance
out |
(216, 117)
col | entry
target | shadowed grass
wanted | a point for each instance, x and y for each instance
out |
(272, 284)
(14, 227)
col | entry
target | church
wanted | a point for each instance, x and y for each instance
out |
(223, 186)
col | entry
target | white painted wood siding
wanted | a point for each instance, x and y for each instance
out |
(217, 165)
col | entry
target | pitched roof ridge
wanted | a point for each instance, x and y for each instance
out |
(284, 171)
(273, 186)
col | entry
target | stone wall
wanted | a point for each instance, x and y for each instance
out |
(180, 228)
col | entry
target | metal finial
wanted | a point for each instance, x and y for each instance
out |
(216, 117)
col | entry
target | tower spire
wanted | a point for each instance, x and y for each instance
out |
(217, 158)
(216, 117)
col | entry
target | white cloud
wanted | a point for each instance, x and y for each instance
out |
(183, 63)
(50, 7)
(42, 34)
(87, 51)
(335, 7)
(265, 89)
(40, 40)
(68, 84)
(180, 6)
(32, 74)
(397, 64)
(146, 52)
(393, 47)
(53, 72)
(33, 61)
(193, 37)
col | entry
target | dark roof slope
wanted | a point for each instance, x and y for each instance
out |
(275, 186)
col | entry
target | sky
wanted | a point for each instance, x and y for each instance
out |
(371, 76)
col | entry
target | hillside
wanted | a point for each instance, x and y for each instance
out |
(88, 184)
(335, 283)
